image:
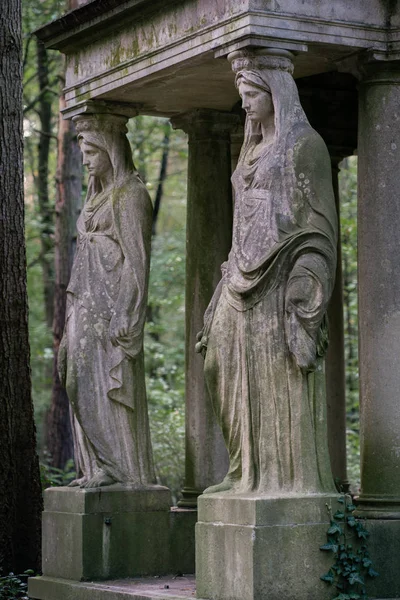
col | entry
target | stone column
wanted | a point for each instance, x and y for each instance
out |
(379, 318)
(379, 289)
(208, 241)
(335, 362)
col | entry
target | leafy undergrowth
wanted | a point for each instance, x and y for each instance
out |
(347, 541)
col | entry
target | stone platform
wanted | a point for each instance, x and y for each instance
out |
(147, 588)
(150, 588)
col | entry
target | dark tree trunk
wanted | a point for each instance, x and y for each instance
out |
(68, 201)
(46, 213)
(20, 493)
(163, 174)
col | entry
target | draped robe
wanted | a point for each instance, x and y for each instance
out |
(105, 382)
(265, 329)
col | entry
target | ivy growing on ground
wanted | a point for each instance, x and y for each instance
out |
(13, 586)
(347, 540)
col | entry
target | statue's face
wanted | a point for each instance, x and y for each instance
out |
(256, 102)
(97, 161)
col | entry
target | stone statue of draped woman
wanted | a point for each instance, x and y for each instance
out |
(101, 359)
(265, 330)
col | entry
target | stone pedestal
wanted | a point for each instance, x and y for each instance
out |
(253, 548)
(113, 536)
(106, 533)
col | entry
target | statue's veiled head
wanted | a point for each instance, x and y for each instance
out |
(267, 75)
(104, 145)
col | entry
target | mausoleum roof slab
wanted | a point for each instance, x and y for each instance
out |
(165, 57)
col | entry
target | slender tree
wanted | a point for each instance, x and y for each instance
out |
(20, 493)
(44, 109)
(163, 174)
(68, 203)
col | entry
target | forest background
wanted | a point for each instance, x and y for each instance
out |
(54, 193)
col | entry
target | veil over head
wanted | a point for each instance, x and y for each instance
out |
(108, 133)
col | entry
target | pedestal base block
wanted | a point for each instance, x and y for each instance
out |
(253, 548)
(384, 548)
(106, 533)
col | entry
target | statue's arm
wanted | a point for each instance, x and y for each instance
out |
(311, 278)
(133, 223)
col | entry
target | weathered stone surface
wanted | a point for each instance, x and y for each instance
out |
(208, 239)
(126, 52)
(384, 549)
(103, 533)
(115, 532)
(273, 552)
(160, 588)
(101, 361)
(264, 331)
(379, 289)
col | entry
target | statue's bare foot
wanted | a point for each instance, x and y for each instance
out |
(78, 482)
(99, 480)
(225, 485)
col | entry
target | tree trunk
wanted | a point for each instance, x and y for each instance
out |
(68, 202)
(163, 174)
(46, 214)
(20, 493)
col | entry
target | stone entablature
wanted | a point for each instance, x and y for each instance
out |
(129, 51)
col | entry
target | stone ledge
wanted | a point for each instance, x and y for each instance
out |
(181, 588)
(266, 511)
(111, 499)
(50, 588)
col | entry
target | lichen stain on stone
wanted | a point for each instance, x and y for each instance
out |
(117, 56)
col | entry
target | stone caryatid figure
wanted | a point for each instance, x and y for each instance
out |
(265, 330)
(101, 359)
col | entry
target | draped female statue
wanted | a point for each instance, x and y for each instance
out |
(265, 330)
(101, 354)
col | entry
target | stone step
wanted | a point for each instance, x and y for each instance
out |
(148, 588)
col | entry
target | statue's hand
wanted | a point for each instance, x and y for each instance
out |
(303, 299)
(62, 360)
(201, 346)
(119, 327)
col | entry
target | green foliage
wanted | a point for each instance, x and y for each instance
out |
(346, 539)
(164, 352)
(52, 477)
(164, 333)
(15, 586)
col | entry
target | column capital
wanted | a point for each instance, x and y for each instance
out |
(371, 67)
(204, 124)
(101, 107)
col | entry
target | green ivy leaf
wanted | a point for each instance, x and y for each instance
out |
(351, 521)
(356, 578)
(372, 572)
(329, 547)
(367, 562)
(350, 507)
(338, 515)
(335, 529)
(328, 577)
